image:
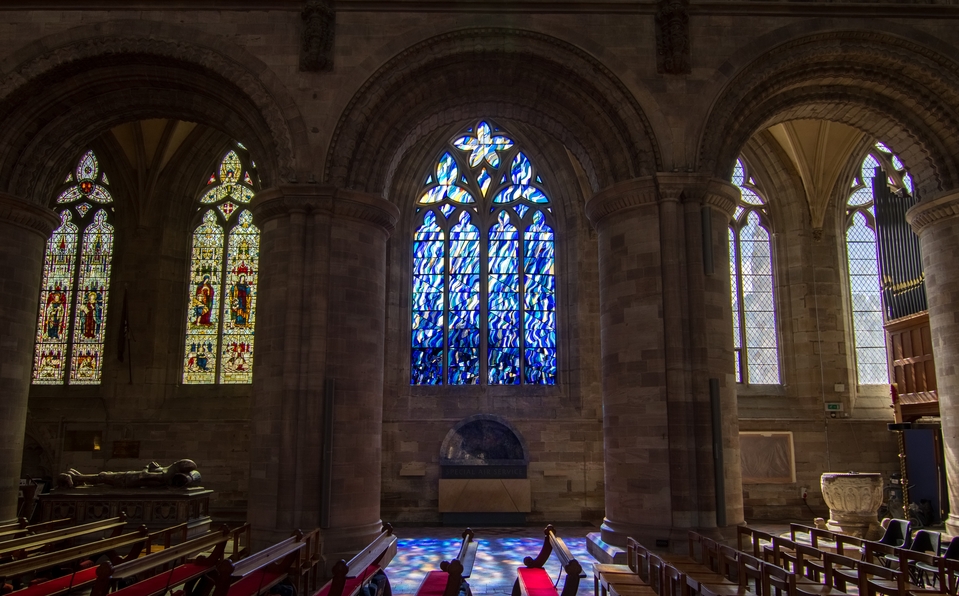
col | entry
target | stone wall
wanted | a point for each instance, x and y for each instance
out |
(627, 120)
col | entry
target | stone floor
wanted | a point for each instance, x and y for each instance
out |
(501, 551)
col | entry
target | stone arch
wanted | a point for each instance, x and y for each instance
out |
(890, 87)
(60, 92)
(503, 74)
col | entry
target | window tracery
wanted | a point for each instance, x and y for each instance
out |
(223, 273)
(75, 287)
(484, 290)
(863, 263)
(755, 340)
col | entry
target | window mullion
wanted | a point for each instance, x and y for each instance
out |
(743, 339)
(484, 303)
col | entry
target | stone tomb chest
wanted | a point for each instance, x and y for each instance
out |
(483, 474)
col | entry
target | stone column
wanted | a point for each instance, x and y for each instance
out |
(24, 230)
(321, 318)
(937, 224)
(658, 350)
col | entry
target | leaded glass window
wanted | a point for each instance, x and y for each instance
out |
(484, 288)
(75, 289)
(863, 264)
(755, 340)
(223, 273)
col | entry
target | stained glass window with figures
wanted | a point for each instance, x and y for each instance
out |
(755, 340)
(75, 287)
(483, 280)
(221, 313)
(863, 264)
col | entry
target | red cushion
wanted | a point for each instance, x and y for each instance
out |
(434, 584)
(60, 584)
(535, 582)
(352, 583)
(163, 580)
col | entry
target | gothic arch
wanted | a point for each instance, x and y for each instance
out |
(60, 92)
(502, 74)
(890, 87)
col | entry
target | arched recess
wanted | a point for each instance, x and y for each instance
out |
(506, 74)
(58, 93)
(890, 87)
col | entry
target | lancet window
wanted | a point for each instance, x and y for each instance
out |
(75, 287)
(755, 340)
(483, 281)
(221, 315)
(863, 264)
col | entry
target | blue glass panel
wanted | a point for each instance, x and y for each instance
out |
(539, 302)
(516, 192)
(503, 315)
(483, 146)
(521, 209)
(541, 366)
(426, 367)
(447, 209)
(446, 170)
(503, 366)
(540, 329)
(521, 171)
(464, 365)
(428, 303)
(484, 180)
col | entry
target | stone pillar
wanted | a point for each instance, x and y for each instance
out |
(24, 230)
(661, 343)
(937, 224)
(321, 319)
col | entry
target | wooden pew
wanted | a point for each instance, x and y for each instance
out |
(19, 548)
(72, 581)
(630, 573)
(260, 571)
(182, 572)
(534, 578)
(348, 578)
(451, 576)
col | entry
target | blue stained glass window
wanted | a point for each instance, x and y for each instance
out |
(503, 303)
(540, 303)
(475, 323)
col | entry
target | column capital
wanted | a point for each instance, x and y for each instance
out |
(630, 194)
(35, 218)
(285, 199)
(927, 213)
(663, 186)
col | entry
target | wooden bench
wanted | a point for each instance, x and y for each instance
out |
(532, 580)
(450, 577)
(135, 541)
(348, 578)
(19, 548)
(182, 572)
(259, 572)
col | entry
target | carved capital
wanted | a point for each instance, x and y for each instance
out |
(282, 201)
(639, 192)
(16, 211)
(722, 195)
(927, 213)
(319, 29)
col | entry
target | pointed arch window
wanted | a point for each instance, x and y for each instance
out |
(863, 264)
(484, 288)
(223, 273)
(75, 289)
(755, 340)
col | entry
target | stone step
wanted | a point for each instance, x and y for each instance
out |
(603, 551)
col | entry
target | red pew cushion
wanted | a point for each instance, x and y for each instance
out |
(535, 582)
(351, 583)
(60, 584)
(434, 584)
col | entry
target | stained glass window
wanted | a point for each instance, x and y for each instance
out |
(483, 282)
(755, 340)
(863, 264)
(75, 287)
(223, 274)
